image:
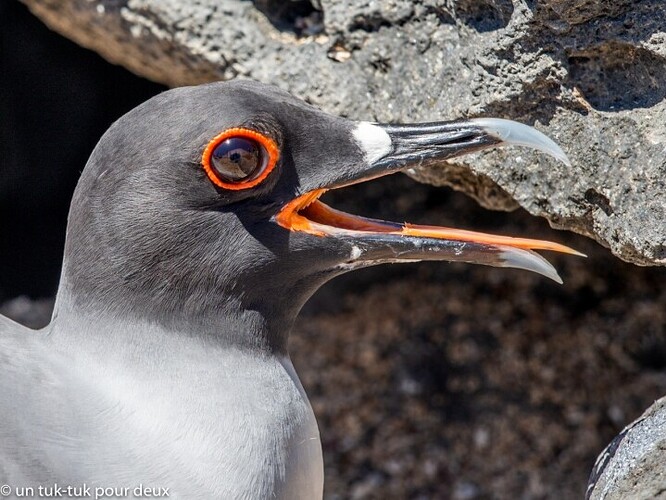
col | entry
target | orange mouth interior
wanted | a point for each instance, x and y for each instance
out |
(309, 215)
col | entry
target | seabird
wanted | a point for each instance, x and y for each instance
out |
(195, 235)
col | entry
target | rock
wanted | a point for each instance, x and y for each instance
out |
(588, 74)
(31, 313)
(632, 466)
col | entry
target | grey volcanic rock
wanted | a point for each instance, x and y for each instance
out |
(632, 466)
(589, 74)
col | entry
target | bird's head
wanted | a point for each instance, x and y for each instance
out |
(202, 204)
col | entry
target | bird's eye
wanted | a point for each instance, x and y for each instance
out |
(239, 158)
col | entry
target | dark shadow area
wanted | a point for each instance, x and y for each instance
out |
(299, 16)
(581, 11)
(649, 350)
(616, 76)
(369, 22)
(56, 100)
(484, 15)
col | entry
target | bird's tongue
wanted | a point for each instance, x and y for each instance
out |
(326, 220)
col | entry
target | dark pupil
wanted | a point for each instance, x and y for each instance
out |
(237, 159)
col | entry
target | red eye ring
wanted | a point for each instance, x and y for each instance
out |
(267, 143)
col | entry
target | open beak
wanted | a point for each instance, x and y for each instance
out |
(392, 148)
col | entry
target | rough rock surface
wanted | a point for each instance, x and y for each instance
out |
(632, 466)
(588, 73)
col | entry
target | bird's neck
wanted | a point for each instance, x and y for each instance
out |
(189, 407)
(229, 324)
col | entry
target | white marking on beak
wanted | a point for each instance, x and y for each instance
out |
(373, 140)
(355, 253)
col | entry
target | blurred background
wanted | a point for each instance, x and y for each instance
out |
(428, 380)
